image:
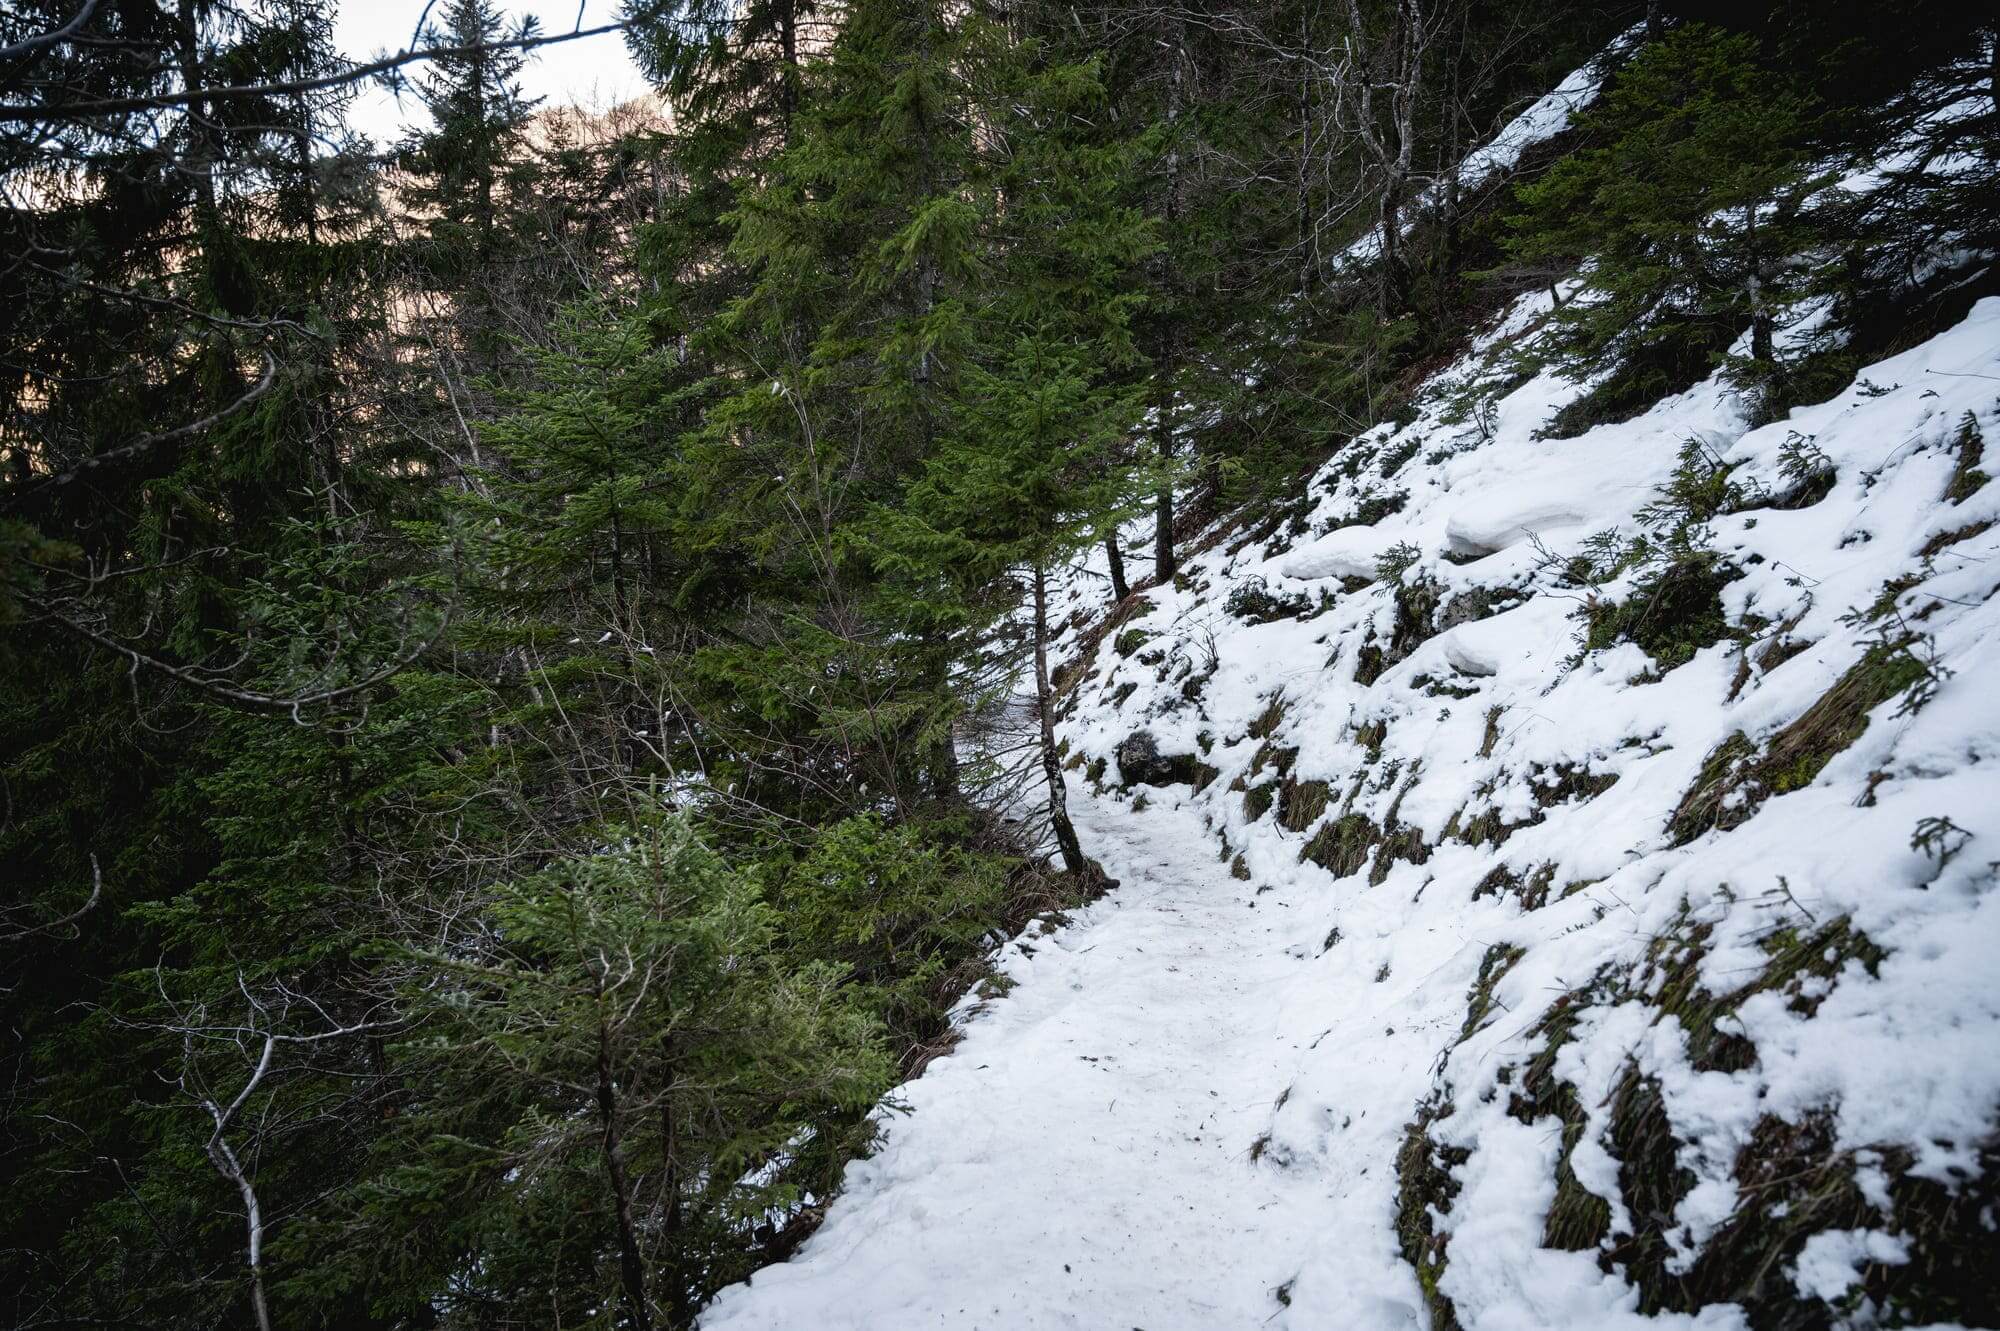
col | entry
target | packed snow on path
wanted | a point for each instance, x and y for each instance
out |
(1089, 1156)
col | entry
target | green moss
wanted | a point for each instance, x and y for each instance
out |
(1671, 614)
(1794, 1181)
(1493, 967)
(1130, 641)
(1424, 1189)
(1257, 801)
(1254, 602)
(1342, 846)
(1735, 778)
(1790, 1166)
(1301, 803)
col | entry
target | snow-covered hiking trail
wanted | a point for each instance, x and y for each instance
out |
(1464, 971)
(1092, 1155)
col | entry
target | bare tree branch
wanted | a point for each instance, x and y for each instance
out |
(353, 74)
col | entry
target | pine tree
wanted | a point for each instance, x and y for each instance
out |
(466, 164)
(1691, 211)
(1038, 462)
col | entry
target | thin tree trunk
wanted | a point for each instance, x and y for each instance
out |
(788, 41)
(1164, 565)
(1993, 72)
(1163, 513)
(1761, 323)
(632, 1273)
(1116, 558)
(1065, 830)
(670, 1187)
(224, 1158)
(226, 1163)
(943, 759)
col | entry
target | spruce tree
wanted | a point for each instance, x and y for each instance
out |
(1691, 211)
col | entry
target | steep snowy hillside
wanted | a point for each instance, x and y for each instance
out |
(1556, 891)
(1675, 890)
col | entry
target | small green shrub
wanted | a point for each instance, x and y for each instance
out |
(1254, 602)
(1967, 479)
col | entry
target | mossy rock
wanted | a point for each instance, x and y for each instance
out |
(1253, 602)
(1141, 763)
(1130, 641)
(1417, 602)
(1342, 846)
(1736, 777)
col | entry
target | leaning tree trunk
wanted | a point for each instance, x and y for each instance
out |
(1065, 830)
(1116, 559)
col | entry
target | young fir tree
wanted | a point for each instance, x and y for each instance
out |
(468, 161)
(644, 1065)
(847, 348)
(468, 180)
(1038, 460)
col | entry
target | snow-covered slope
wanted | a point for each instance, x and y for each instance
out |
(1479, 976)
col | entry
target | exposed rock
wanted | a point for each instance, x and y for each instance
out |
(1141, 763)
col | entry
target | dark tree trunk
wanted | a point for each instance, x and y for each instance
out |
(788, 41)
(1065, 830)
(631, 1270)
(1762, 326)
(1164, 565)
(670, 1190)
(1116, 559)
(1163, 515)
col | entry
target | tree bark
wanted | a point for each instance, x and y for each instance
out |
(1116, 559)
(670, 1188)
(1164, 564)
(788, 42)
(1761, 324)
(1065, 830)
(631, 1271)
(1163, 512)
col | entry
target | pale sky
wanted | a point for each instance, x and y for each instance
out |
(591, 71)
